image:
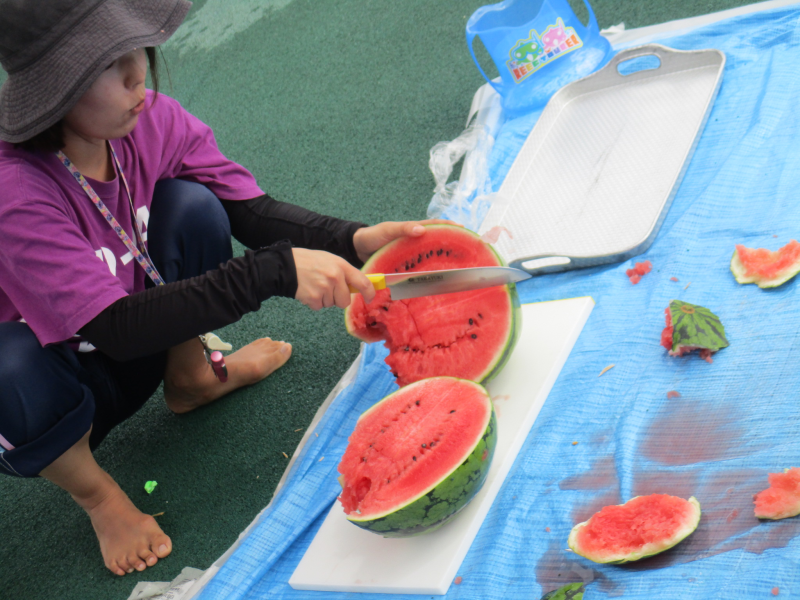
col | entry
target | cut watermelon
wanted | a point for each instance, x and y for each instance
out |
(642, 527)
(418, 457)
(765, 268)
(691, 327)
(469, 335)
(782, 498)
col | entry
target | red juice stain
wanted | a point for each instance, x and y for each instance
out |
(673, 394)
(458, 580)
(682, 484)
(686, 432)
(547, 529)
(602, 475)
(776, 591)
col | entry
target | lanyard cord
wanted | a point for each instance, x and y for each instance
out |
(215, 359)
(142, 257)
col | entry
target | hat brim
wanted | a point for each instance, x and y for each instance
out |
(39, 95)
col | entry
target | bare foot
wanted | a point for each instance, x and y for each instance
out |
(129, 539)
(190, 382)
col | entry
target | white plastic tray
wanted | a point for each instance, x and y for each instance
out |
(596, 176)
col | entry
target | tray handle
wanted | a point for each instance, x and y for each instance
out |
(665, 56)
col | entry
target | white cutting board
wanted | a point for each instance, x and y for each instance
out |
(345, 558)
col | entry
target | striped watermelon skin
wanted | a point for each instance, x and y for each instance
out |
(437, 507)
(571, 591)
(694, 327)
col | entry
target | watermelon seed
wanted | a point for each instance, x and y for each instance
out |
(452, 411)
(480, 315)
(407, 348)
(448, 253)
(414, 457)
(364, 459)
(386, 308)
(439, 253)
(419, 259)
(433, 444)
(474, 337)
(424, 446)
(417, 402)
(471, 322)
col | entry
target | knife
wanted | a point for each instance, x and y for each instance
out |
(430, 283)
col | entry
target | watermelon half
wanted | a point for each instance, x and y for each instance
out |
(418, 457)
(766, 268)
(692, 327)
(642, 527)
(469, 335)
(782, 498)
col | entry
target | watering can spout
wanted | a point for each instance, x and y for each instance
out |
(538, 46)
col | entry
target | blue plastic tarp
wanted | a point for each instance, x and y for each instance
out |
(735, 421)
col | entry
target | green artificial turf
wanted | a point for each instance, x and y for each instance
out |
(333, 105)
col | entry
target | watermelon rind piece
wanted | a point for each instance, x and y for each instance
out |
(743, 276)
(434, 507)
(648, 549)
(782, 499)
(571, 591)
(500, 357)
(695, 327)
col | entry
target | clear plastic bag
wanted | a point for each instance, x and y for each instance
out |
(467, 199)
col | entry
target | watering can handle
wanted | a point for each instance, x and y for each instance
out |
(480, 12)
(470, 37)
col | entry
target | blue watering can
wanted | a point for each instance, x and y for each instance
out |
(539, 46)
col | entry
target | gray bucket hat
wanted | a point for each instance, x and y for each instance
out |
(54, 50)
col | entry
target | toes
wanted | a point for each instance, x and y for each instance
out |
(162, 546)
(115, 568)
(136, 562)
(286, 350)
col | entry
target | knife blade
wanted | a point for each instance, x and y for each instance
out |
(431, 283)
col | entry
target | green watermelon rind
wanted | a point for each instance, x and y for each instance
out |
(648, 550)
(571, 591)
(434, 507)
(686, 332)
(741, 276)
(516, 309)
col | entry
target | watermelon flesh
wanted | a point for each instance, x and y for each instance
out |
(782, 498)
(642, 527)
(764, 267)
(418, 457)
(468, 335)
(639, 270)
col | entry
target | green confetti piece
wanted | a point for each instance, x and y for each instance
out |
(150, 486)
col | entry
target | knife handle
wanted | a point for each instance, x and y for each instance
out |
(378, 282)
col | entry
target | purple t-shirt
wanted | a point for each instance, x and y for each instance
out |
(61, 264)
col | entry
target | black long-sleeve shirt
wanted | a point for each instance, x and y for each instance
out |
(162, 317)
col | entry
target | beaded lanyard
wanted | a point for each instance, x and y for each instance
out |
(214, 358)
(142, 257)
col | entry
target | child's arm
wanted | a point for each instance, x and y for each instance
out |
(263, 221)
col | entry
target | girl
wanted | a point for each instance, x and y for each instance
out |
(116, 215)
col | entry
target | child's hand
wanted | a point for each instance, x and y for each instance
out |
(367, 240)
(323, 279)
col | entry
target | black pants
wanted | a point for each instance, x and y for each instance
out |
(50, 397)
